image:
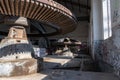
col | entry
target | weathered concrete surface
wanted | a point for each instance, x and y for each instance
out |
(16, 54)
(18, 67)
(59, 62)
(16, 45)
(55, 61)
(108, 52)
(65, 75)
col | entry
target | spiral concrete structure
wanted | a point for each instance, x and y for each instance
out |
(45, 11)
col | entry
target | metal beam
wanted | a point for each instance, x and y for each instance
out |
(32, 35)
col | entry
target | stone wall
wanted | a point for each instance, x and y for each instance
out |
(107, 52)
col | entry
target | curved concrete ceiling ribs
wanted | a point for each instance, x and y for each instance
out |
(45, 11)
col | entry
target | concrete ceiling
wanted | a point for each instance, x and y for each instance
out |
(81, 8)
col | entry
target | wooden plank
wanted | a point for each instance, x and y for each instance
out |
(1, 10)
(34, 9)
(39, 10)
(12, 7)
(49, 14)
(3, 6)
(31, 7)
(8, 7)
(16, 5)
(27, 4)
(45, 13)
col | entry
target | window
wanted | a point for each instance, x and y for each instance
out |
(107, 30)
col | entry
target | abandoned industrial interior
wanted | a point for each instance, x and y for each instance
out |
(59, 39)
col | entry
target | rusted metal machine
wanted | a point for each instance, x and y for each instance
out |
(15, 50)
(45, 11)
(16, 45)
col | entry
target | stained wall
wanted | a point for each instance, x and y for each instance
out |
(106, 52)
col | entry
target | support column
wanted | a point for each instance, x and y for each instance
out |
(16, 52)
(96, 26)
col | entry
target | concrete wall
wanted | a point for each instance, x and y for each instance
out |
(96, 26)
(107, 51)
(111, 46)
(80, 33)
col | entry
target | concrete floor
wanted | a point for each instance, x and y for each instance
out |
(59, 74)
(84, 63)
(55, 61)
(65, 75)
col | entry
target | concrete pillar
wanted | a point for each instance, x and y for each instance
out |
(96, 25)
(16, 52)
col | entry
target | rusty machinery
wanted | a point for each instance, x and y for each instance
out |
(45, 11)
(18, 14)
